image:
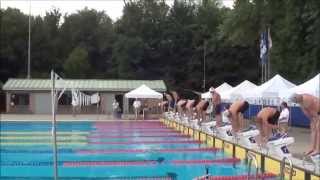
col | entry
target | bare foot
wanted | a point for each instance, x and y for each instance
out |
(314, 153)
(307, 153)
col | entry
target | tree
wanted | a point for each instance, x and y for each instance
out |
(154, 41)
(92, 30)
(13, 43)
(77, 65)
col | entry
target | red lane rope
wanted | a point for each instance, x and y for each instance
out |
(111, 151)
(146, 162)
(146, 133)
(131, 131)
(139, 136)
(135, 128)
(237, 177)
(130, 124)
(189, 150)
(149, 142)
(116, 151)
(204, 161)
(108, 163)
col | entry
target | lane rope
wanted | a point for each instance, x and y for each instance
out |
(116, 151)
(149, 142)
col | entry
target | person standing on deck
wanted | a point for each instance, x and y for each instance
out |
(284, 118)
(136, 106)
(310, 106)
(115, 108)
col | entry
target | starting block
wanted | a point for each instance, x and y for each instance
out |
(316, 160)
(184, 119)
(247, 138)
(194, 124)
(208, 127)
(279, 146)
(225, 132)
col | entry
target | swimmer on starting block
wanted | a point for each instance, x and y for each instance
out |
(310, 106)
(201, 110)
(235, 114)
(267, 120)
(216, 102)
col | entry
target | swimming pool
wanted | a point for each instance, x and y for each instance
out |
(108, 150)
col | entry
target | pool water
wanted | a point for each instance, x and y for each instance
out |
(108, 150)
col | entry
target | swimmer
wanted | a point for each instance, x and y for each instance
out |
(235, 114)
(267, 120)
(216, 101)
(181, 106)
(310, 106)
(190, 108)
(201, 110)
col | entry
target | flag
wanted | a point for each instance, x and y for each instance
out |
(265, 45)
(60, 84)
(269, 39)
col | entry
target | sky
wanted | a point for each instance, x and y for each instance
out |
(39, 7)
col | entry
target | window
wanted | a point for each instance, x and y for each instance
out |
(20, 99)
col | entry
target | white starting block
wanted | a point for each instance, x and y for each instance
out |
(225, 132)
(247, 138)
(208, 127)
(170, 115)
(177, 117)
(184, 119)
(316, 160)
(194, 124)
(280, 146)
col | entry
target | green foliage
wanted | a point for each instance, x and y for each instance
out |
(154, 41)
(77, 65)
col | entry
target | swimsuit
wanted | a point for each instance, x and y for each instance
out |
(273, 120)
(218, 109)
(244, 108)
(205, 106)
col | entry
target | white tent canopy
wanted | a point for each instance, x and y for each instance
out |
(309, 87)
(237, 92)
(222, 88)
(270, 89)
(206, 95)
(144, 92)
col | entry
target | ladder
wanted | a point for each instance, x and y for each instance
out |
(252, 157)
(283, 168)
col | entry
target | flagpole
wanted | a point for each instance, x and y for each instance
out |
(269, 63)
(266, 72)
(29, 43)
(262, 73)
(54, 135)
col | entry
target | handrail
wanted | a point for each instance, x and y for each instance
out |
(282, 168)
(252, 157)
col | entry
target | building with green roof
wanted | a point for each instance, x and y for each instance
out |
(34, 95)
